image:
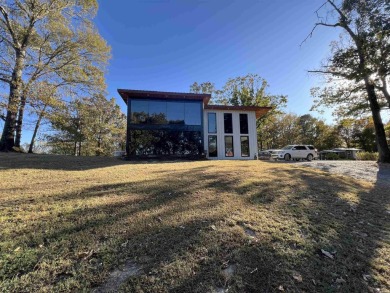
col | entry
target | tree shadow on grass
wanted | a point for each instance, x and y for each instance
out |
(68, 163)
(184, 230)
(342, 234)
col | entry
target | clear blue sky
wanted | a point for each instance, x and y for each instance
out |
(169, 44)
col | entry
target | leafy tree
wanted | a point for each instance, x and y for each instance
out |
(52, 41)
(359, 65)
(88, 126)
(249, 90)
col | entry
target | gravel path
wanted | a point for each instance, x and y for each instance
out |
(364, 170)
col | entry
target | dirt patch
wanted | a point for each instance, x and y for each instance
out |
(118, 277)
(363, 170)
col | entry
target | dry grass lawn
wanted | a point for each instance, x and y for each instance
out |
(247, 226)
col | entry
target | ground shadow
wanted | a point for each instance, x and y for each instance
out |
(184, 230)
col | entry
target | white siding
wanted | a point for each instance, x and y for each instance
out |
(252, 133)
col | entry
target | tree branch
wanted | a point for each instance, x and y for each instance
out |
(7, 23)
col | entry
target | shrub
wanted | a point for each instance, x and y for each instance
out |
(332, 156)
(367, 156)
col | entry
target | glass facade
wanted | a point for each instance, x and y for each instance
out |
(244, 123)
(165, 143)
(212, 122)
(213, 149)
(228, 122)
(166, 112)
(245, 146)
(229, 151)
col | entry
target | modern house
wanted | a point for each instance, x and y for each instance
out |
(170, 124)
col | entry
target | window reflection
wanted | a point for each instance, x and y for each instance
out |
(212, 120)
(175, 112)
(192, 114)
(213, 150)
(157, 112)
(164, 112)
(165, 143)
(228, 122)
(229, 151)
(140, 111)
(244, 146)
(244, 123)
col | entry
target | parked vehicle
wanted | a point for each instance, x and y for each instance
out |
(296, 152)
(266, 154)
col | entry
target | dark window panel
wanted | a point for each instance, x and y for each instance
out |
(213, 149)
(244, 123)
(245, 146)
(229, 150)
(175, 112)
(228, 122)
(140, 111)
(151, 143)
(192, 113)
(157, 112)
(212, 121)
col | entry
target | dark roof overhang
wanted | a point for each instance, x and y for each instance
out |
(139, 94)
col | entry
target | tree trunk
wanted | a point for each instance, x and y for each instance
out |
(380, 134)
(7, 141)
(19, 121)
(30, 149)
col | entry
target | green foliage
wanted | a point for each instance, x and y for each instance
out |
(248, 90)
(88, 126)
(54, 43)
(367, 156)
(332, 156)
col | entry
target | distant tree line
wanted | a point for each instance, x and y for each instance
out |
(277, 128)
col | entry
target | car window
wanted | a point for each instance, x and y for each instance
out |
(310, 147)
(300, 147)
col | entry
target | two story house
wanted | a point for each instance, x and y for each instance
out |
(170, 124)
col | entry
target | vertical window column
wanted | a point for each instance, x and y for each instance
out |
(212, 122)
(244, 123)
(229, 150)
(245, 146)
(228, 122)
(213, 149)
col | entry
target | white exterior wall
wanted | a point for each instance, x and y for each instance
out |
(252, 133)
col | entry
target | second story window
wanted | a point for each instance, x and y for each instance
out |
(228, 122)
(244, 123)
(212, 121)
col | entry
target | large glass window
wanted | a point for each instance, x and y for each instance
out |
(140, 111)
(212, 120)
(228, 122)
(245, 146)
(213, 150)
(244, 123)
(164, 112)
(165, 143)
(192, 114)
(157, 112)
(175, 112)
(229, 151)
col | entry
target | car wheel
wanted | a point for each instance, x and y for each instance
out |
(309, 157)
(287, 157)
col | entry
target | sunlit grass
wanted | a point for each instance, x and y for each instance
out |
(67, 222)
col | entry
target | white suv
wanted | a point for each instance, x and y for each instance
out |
(289, 152)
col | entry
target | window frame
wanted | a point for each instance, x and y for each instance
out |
(208, 122)
(247, 123)
(249, 147)
(224, 122)
(232, 151)
(216, 146)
